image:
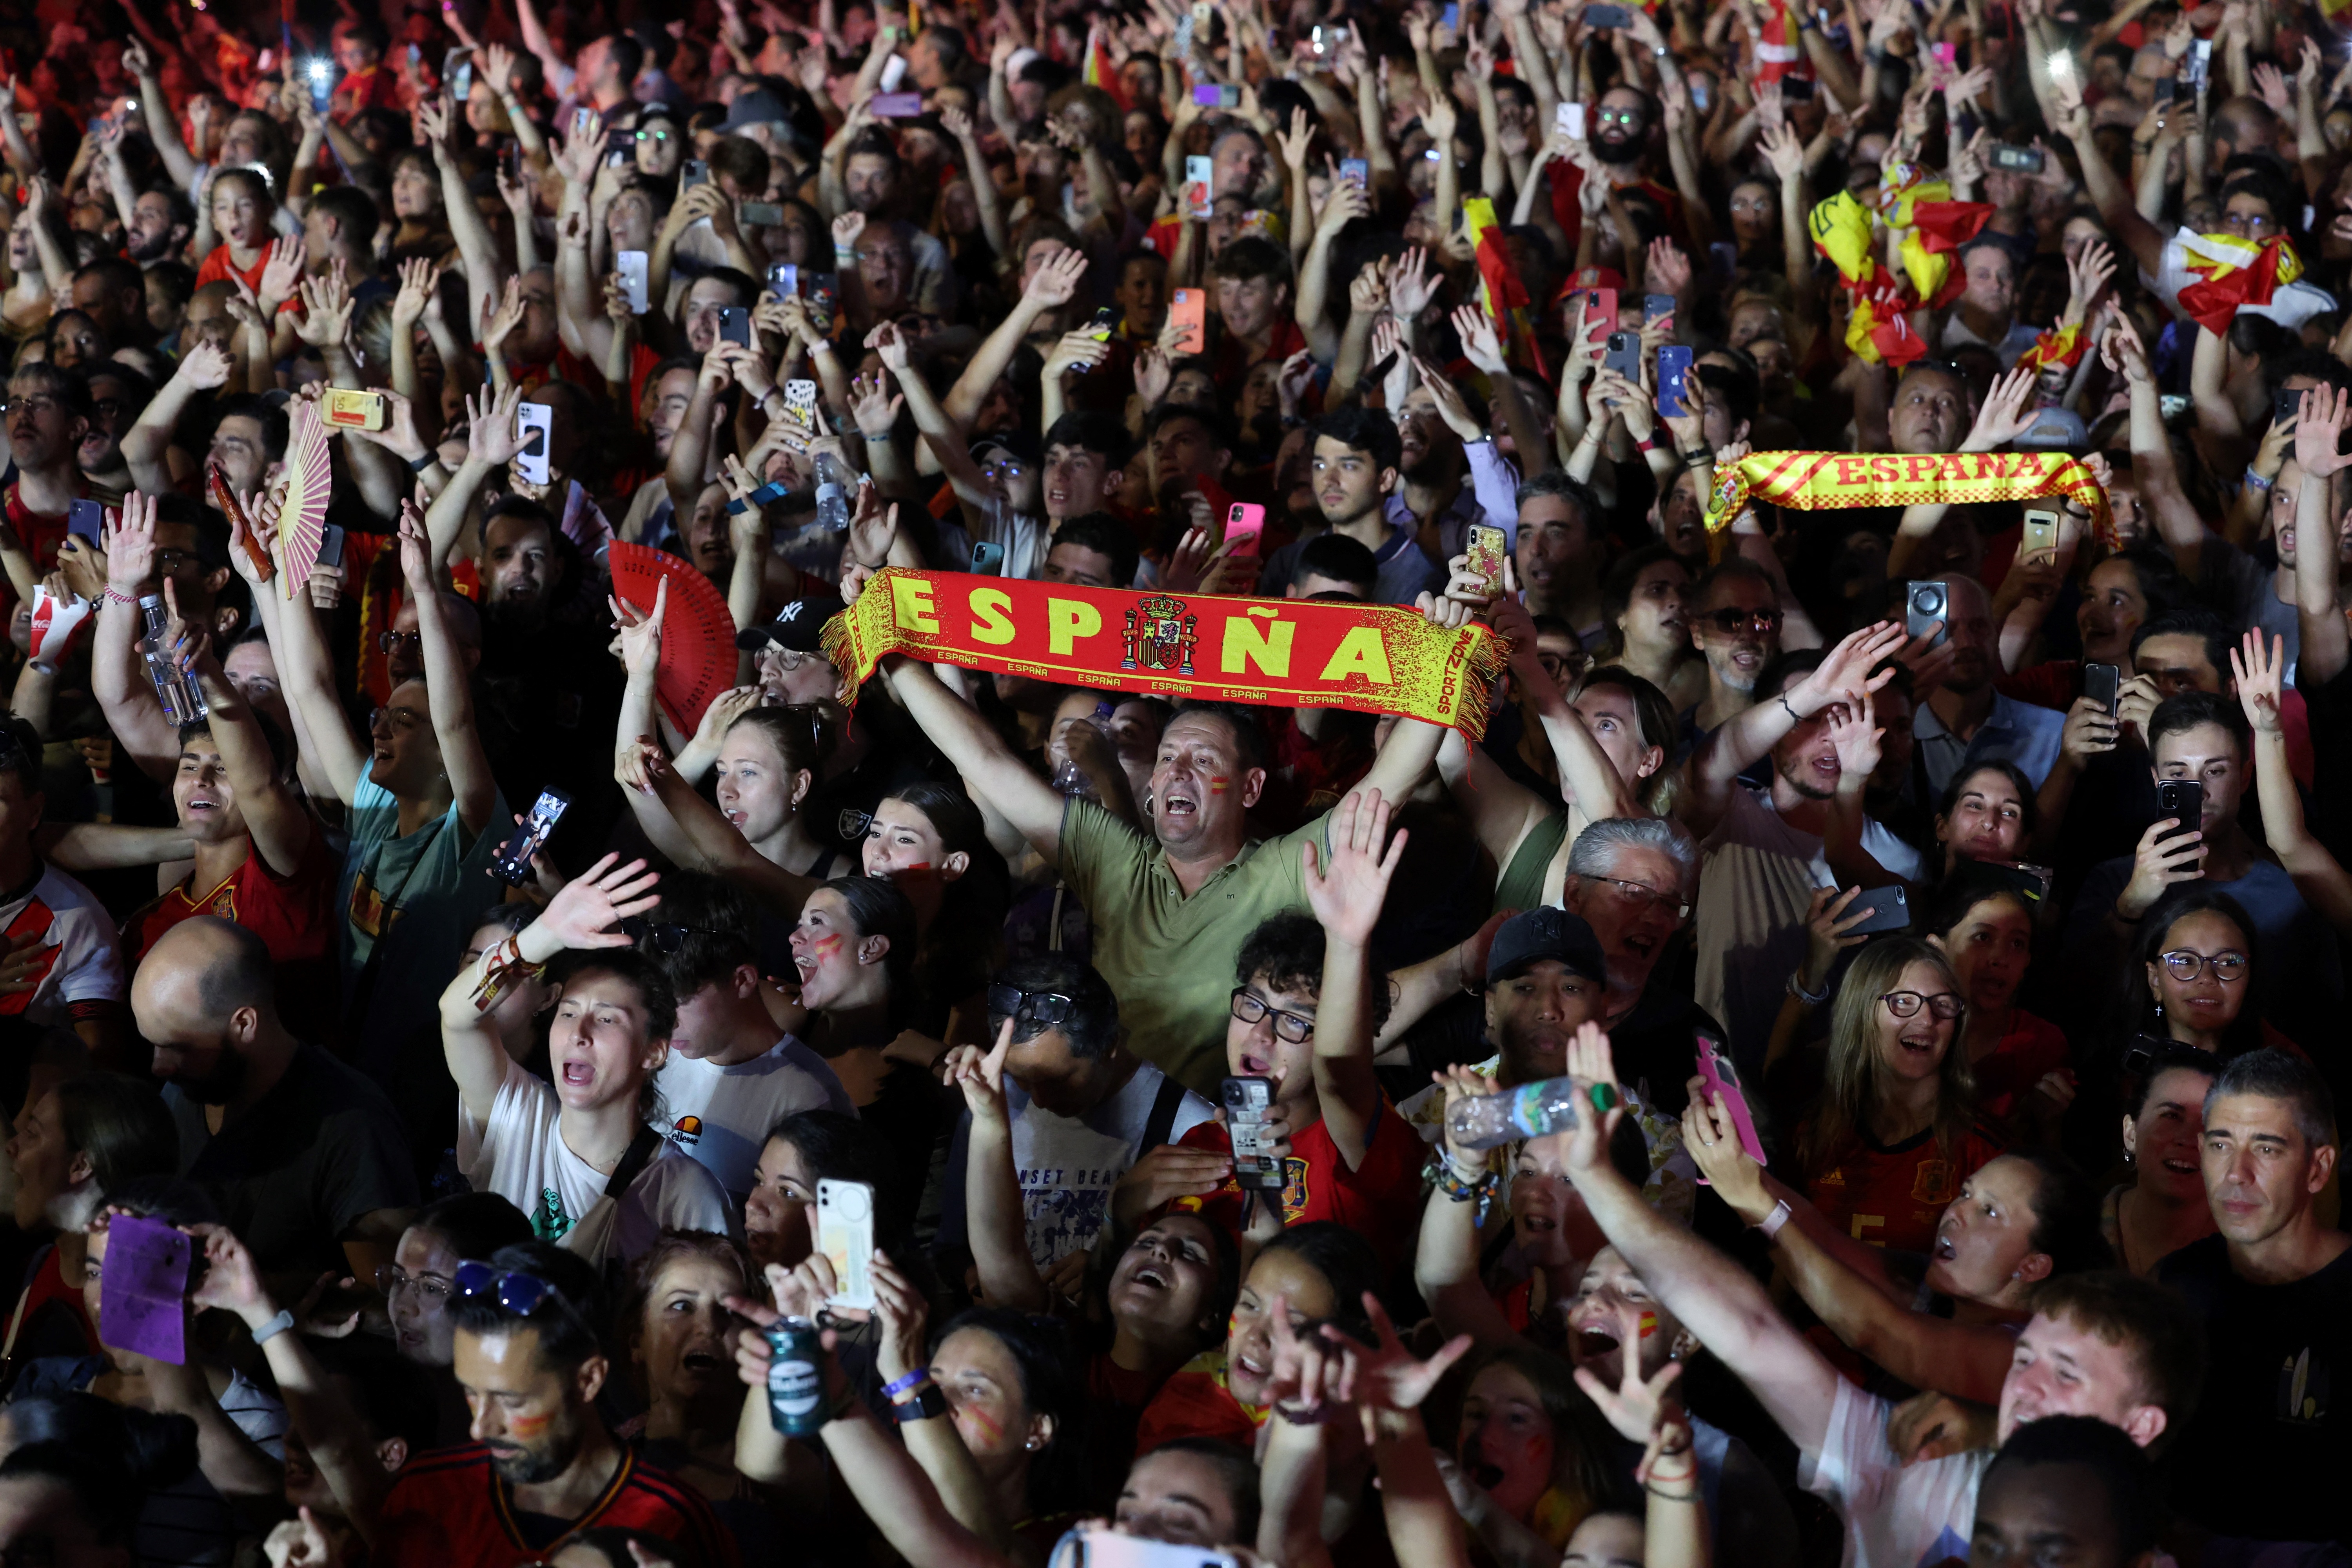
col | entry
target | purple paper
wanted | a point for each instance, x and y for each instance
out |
(143, 1288)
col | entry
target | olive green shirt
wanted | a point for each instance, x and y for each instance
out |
(1169, 957)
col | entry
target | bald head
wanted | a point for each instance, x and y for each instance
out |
(203, 970)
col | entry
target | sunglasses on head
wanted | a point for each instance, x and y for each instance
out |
(661, 938)
(520, 1293)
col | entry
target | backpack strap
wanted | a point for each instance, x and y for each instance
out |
(1162, 1120)
(640, 1153)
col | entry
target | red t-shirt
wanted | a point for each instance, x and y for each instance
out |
(1378, 1200)
(1891, 1198)
(220, 266)
(449, 1507)
(294, 915)
(2033, 1047)
(1196, 1403)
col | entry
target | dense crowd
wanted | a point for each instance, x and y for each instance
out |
(583, 1057)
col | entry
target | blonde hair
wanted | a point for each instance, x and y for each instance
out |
(1853, 1077)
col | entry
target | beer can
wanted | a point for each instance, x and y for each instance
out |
(795, 1378)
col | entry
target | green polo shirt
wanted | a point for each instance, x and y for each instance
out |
(1169, 957)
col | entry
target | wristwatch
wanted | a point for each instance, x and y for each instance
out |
(931, 1402)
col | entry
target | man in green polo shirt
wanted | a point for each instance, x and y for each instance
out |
(1169, 914)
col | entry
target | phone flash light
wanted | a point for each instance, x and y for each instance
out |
(318, 70)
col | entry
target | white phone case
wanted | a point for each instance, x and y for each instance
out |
(845, 1234)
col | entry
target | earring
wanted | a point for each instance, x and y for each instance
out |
(1033, 1444)
(2159, 1009)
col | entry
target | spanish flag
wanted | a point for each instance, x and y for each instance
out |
(2061, 347)
(1879, 329)
(1507, 300)
(1102, 72)
(2232, 274)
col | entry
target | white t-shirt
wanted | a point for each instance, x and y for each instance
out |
(86, 965)
(1896, 1515)
(1068, 1164)
(720, 1115)
(521, 1156)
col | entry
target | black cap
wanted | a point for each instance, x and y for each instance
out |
(1547, 933)
(800, 627)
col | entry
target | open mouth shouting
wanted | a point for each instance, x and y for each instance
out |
(579, 1072)
(1180, 802)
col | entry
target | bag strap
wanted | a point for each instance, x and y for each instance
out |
(1162, 1120)
(633, 1164)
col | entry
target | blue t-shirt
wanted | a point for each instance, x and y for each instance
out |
(420, 897)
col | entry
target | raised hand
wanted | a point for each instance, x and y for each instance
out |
(640, 630)
(1412, 286)
(2008, 413)
(1346, 892)
(282, 273)
(1634, 1406)
(589, 910)
(326, 310)
(491, 437)
(1056, 282)
(2319, 431)
(1856, 737)
(2261, 674)
(500, 321)
(981, 1076)
(130, 545)
(418, 278)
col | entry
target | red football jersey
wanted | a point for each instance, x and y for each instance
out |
(293, 915)
(450, 1507)
(1318, 1184)
(1894, 1197)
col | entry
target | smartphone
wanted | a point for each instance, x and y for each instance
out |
(512, 865)
(692, 173)
(894, 71)
(1624, 355)
(1204, 16)
(2167, 89)
(621, 144)
(1604, 19)
(631, 266)
(1946, 55)
(896, 105)
(2102, 683)
(845, 1234)
(1105, 322)
(1356, 172)
(735, 325)
(824, 293)
(461, 85)
(2183, 800)
(330, 544)
(761, 214)
(1569, 118)
(1188, 308)
(1217, 95)
(1098, 1546)
(323, 85)
(1797, 88)
(533, 421)
(1657, 308)
(1700, 98)
(1923, 610)
(2201, 63)
(580, 119)
(785, 280)
(86, 520)
(2018, 159)
(988, 558)
(2041, 541)
(1600, 305)
(2285, 405)
(1200, 175)
(1246, 1102)
(1247, 525)
(1673, 379)
(345, 409)
(1885, 908)
(1722, 1077)
(1489, 547)
(800, 402)
(1317, 38)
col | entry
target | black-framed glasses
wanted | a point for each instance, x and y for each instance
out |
(1736, 621)
(1032, 1012)
(661, 937)
(520, 1293)
(1642, 896)
(1296, 1027)
(1944, 1005)
(2182, 964)
(172, 562)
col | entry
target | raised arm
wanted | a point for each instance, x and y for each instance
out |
(2318, 451)
(585, 914)
(1714, 1298)
(989, 769)
(1345, 887)
(2324, 883)
(1723, 756)
(204, 367)
(116, 672)
(447, 683)
(475, 249)
(155, 109)
(1054, 285)
(491, 441)
(996, 1228)
(274, 815)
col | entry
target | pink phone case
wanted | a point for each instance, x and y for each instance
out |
(1245, 523)
(1722, 1078)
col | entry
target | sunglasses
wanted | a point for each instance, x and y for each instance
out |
(1735, 621)
(1032, 1012)
(661, 938)
(520, 1293)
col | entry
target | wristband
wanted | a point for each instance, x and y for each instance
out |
(1648, 443)
(1810, 998)
(1697, 459)
(425, 462)
(1791, 713)
(931, 1403)
(897, 1386)
(2256, 480)
(1771, 1224)
(111, 597)
(274, 1327)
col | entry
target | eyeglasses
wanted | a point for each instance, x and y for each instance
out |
(107, 407)
(392, 642)
(1292, 1026)
(2238, 223)
(392, 1279)
(172, 562)
(1641, 896)
(1004, 469)
(1944, 1005)
(520, 1293)
(1736, 621)
(2227, 967)
(11, 408)
(661, 938)
(1032, 1012)
(399, 719)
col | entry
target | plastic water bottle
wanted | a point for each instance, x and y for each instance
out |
(1069, 779)
(832, 494)
(182, 704)
(1529, 1110)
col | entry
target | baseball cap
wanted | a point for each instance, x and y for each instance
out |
(757, 107)
(1526, 939)
(800, 627)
